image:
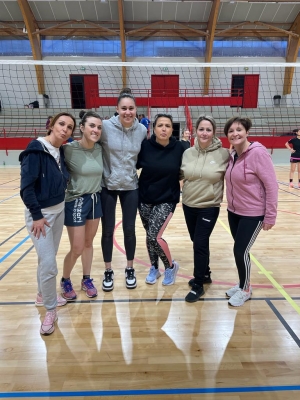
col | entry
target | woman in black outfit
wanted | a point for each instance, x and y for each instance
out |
(159, 191)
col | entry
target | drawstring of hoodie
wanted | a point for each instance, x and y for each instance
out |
(203, 163)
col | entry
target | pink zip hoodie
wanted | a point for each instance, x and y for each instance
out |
(251, 185)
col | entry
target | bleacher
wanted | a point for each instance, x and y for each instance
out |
(268, 122)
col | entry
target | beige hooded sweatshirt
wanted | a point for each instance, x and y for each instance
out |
(203, 174)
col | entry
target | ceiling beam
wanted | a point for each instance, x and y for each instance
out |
(96, 32)
(35, 42)
(123, 41)
(275, 28)
(13, 29)
(143, 28)
(211, 28)
(232, 28)
(291, 56)
(46, 31)
(196, 32)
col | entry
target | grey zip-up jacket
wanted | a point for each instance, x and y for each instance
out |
(120, 149)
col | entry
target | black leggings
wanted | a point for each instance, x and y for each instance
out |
(129, 203)
(200, 223)
(244, 231)
(155, 219)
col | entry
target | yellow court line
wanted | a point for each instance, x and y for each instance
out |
(268, 275)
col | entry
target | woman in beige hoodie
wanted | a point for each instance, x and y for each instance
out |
(203, 169)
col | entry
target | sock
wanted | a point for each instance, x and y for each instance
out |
(86, 277)
(291, 180)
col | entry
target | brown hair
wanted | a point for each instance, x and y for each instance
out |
(245, 122)
(162, 116)
(208, 118)
(56, 117)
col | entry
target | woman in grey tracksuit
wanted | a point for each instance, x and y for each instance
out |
(121, 140)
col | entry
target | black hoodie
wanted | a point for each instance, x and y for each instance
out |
(43, 184)
(159, 179)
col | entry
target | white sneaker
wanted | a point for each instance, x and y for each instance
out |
(130, 278)
(239, 298)
(230, 292)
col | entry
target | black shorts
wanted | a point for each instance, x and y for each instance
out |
(82, 208)
(294, 159)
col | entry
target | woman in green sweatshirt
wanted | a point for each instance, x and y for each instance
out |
(203, 169)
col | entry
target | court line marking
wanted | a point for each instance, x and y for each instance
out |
(15, 263)
(284, 323)
(143, 300)
(13, 249)
(2, 201)
(147, 392)
(269, 276)
(6, 240)
(5, 183)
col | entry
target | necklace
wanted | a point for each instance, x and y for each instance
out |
(49, 140)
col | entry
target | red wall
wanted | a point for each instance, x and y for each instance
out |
(270, 142)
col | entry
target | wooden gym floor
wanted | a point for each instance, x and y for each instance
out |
(148, 343)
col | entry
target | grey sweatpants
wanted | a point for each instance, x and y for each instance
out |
(46, 248)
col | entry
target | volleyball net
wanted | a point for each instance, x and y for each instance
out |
(30, 91)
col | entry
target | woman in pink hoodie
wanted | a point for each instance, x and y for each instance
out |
(252, 193)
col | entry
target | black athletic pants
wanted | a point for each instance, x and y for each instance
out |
(200, 223)
(244, 231)
(129, 204)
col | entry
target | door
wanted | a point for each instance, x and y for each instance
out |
(165, 85)
(77, 91)
(247, 87)
(251, 91)
(84, 89)
(176, 130)
(91, 90)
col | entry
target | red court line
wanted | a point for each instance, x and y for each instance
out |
(223, 283)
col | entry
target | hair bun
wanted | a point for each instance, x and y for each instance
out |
(81, 114)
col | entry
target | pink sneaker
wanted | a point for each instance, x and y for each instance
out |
(291, 185)
(48, 324)
(89, 288)
(67, 290)
(60, 301)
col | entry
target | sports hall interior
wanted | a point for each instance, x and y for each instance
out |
(186, 58)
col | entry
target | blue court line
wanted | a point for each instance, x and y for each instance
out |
(284, 323)
(2, 201)
(14, 249)
(147, 392)
(6, 240)
(15, 263)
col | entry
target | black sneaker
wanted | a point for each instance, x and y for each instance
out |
(130, 278)
(195, 293)
(108, 280)
(207, 279)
